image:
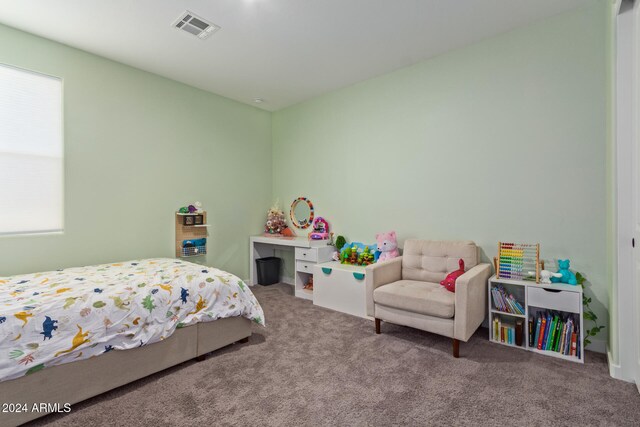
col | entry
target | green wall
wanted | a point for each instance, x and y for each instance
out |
(503, 140)
(138, 146)
(506, 139)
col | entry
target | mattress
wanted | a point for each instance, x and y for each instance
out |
(57, 317)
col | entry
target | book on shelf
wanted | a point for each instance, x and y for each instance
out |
(505, 302)
(504, 332)
(536, 335)
(563, 338)
(543, 326)
(554, 331)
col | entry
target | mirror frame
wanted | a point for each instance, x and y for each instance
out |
(294, 221)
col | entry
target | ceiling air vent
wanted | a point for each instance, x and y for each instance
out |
(195, 25)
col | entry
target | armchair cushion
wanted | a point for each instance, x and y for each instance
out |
(430, 260)
(419, 297)
(380, 274)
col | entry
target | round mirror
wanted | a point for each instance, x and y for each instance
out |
(301, 212)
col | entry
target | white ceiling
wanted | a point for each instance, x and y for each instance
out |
(285, 51)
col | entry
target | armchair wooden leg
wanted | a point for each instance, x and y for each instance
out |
(377, 326)
(456, 348)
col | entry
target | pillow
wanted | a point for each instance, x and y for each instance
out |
(449, 282)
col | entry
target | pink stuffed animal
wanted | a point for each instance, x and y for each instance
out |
(387, 245)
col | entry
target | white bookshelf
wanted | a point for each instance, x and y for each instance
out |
(534, 297)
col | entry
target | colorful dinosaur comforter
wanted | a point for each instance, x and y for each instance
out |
(56, 317)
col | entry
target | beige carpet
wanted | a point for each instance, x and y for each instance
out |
(312, 366)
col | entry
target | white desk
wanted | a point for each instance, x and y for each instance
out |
(307, 254)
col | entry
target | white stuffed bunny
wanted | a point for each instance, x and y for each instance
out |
(546, 275)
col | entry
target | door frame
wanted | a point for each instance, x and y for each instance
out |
(625, 290)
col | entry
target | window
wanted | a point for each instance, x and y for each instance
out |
(31, 152)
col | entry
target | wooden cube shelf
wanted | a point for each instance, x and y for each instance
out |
(190, 232)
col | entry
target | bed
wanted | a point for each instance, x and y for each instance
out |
(161, 311)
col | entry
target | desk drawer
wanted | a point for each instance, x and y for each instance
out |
(554, 299)
(307, 254)
(304, 266)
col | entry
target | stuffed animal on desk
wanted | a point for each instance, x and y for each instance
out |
(566, 275)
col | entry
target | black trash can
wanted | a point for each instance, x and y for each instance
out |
(268, 270)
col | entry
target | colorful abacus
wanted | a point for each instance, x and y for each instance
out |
(516, 260)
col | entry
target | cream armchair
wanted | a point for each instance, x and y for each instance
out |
(407, 291)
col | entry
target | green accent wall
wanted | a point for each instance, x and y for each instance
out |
(137, 147)
(503, 140)
(507, 139)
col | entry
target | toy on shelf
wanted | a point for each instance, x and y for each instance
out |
(566, 275)
(387, 245)
(193, 208)
(309, 285)
(515, 260)
(358, 254)
(545, 276)
(276, 224)
(320, 229)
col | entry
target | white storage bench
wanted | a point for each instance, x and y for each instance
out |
(340, 287)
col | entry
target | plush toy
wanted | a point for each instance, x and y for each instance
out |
(387, 245)
(566, 275)
(449, 282)
(545, 276)
(195, 207)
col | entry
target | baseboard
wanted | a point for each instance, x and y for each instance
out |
(614, 370)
